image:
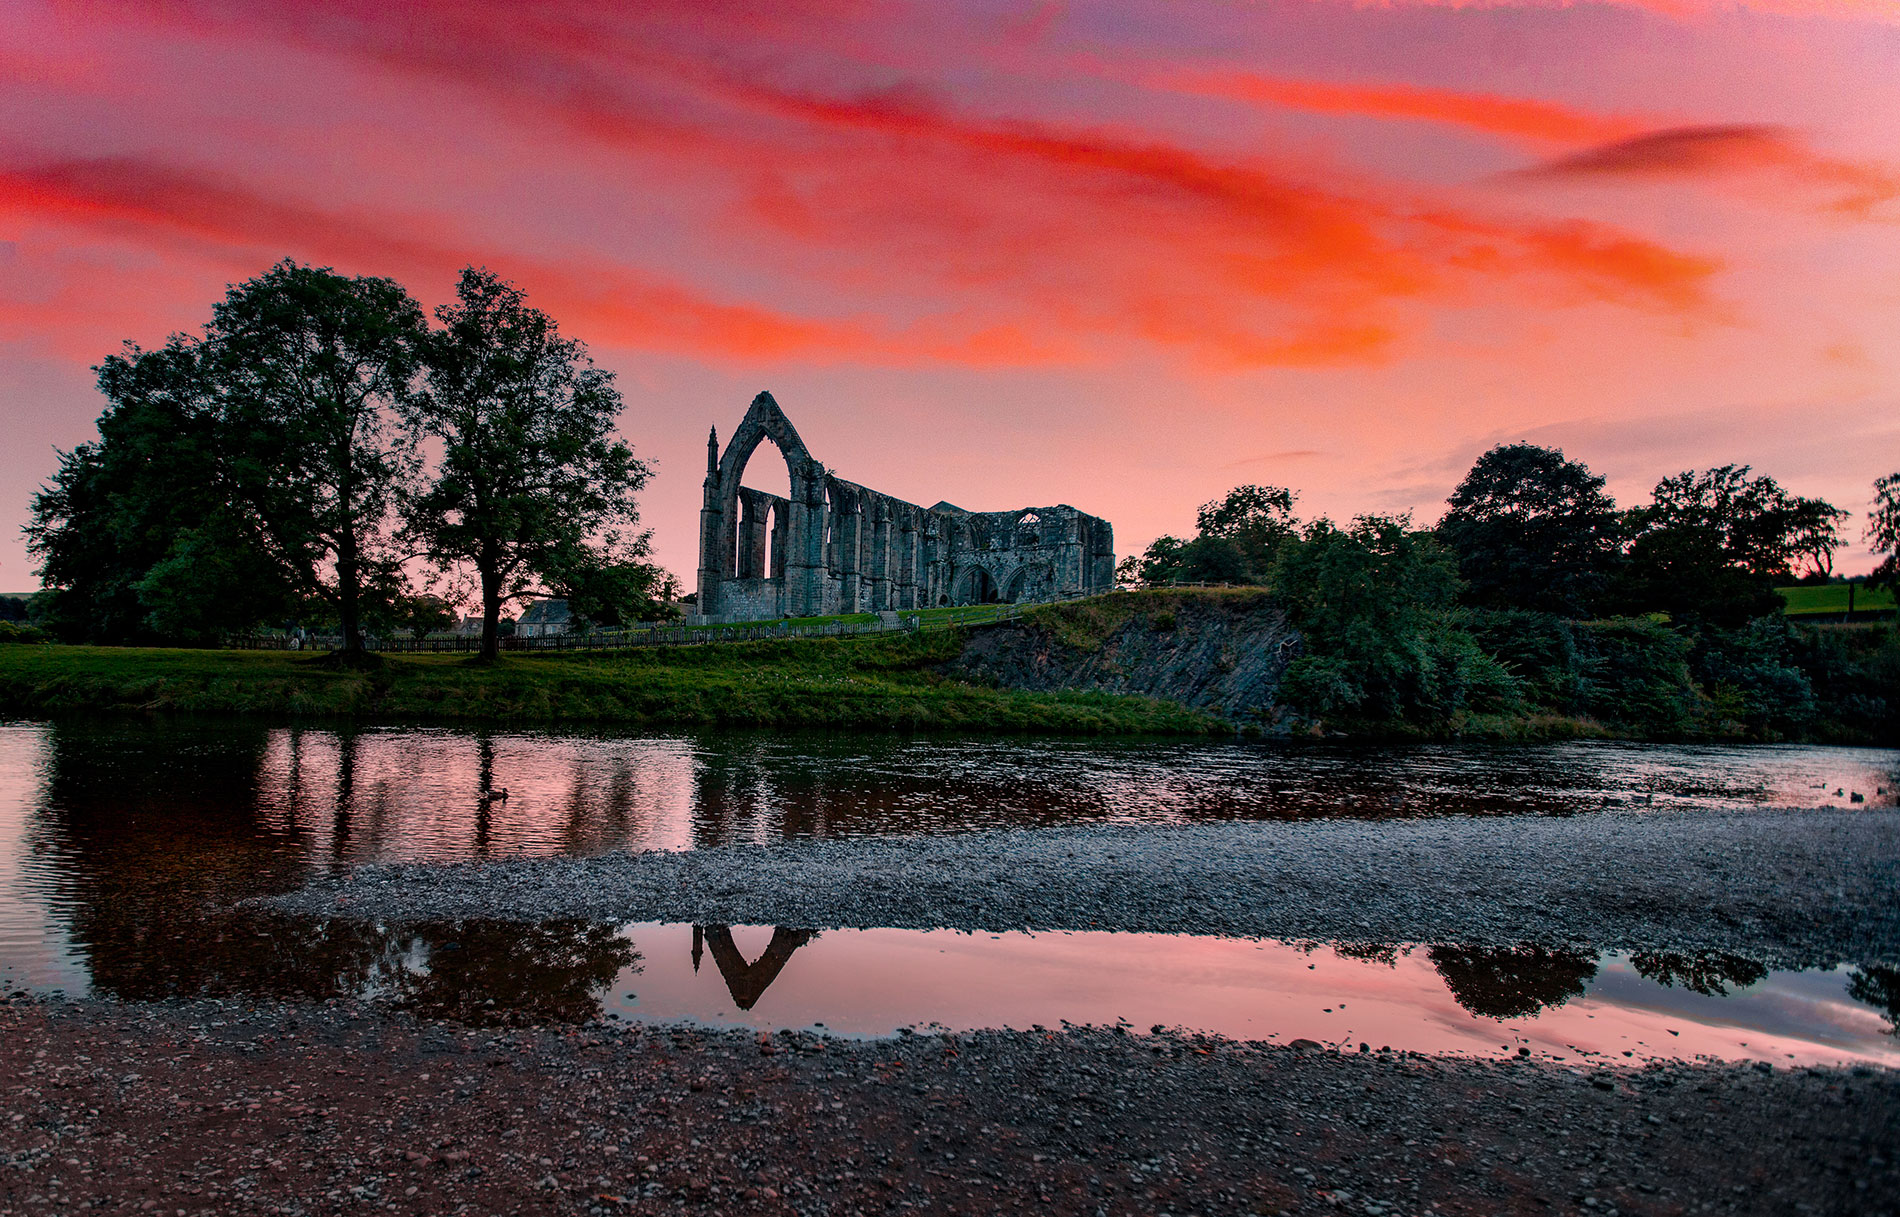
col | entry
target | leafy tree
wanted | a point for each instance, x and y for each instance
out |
(1713, 545)
(1172, 560)
(1374, 604)
(1253, 520)
(308, 367)
(1883, 532)
(1532, 530)
(531, 486)
(620, 593)
(135, 533)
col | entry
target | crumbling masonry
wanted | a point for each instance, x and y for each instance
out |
(837, 547)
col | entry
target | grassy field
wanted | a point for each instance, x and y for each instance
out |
(1832, 598)
(878, 683)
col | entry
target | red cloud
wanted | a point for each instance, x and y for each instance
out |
(970, 239)
(205, 214)
(1714, 151)
(1509, 117)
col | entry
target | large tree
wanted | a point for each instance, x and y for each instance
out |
(532, 488)
(1254, 520)
(1532, 530)
(309, 367)
(1883, 532)
(135, 532)
(1713, 545)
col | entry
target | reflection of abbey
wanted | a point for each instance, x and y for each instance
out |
(837, 547)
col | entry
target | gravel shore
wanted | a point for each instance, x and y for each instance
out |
(1790, 889)
(245, 1107)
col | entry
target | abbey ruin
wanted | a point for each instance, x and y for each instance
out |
(837, 547)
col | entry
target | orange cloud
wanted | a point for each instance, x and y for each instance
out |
(970, 239)
(1511, 118)
(1715, 151)
(130, 199)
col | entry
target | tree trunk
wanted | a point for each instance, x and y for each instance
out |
(348, 598)
(491, 613)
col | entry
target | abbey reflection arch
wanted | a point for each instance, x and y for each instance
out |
(832, 546)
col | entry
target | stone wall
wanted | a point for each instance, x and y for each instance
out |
(835, 546)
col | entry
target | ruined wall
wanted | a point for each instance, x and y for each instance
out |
(834, 546)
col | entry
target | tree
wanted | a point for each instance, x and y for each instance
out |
(309, 368)
(1532, 530)
(1254, 520)
(135, 533)
(1883, 532)
(1373, 604)
(531, 485)
(617, 594)
(1712, 545)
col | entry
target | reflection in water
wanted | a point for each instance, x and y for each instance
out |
(1710, 973)
(1878, 987)
(1512, 983)
(747, 982)
(126, 849)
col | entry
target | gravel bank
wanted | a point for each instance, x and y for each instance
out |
(1791, 889)
(237, 1107)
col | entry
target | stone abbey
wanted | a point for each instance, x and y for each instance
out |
(837, 547)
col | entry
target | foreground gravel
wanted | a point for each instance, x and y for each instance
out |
(1790, 889)
(234, 1107)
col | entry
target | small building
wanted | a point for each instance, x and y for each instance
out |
(545, 619)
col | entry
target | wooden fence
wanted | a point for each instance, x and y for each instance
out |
(674, 635)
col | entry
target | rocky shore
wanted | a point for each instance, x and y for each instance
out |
(241, 1107)
(1787, 888)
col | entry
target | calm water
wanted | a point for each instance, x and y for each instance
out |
(122, 847)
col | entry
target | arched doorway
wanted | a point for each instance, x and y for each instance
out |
(1035, 581)
(976, 587)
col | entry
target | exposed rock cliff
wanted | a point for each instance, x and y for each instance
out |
(1222, 652)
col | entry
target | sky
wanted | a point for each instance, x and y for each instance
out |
(1122, 255)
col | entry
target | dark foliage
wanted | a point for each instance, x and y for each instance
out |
(1512, 982)
(136, 534)
(1533, 530)
(532, 487)
(1712, 546)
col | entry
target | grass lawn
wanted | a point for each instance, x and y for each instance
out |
(1832, 598)
(877, 683)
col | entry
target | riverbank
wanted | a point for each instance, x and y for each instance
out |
(865, 684)
(1787, 889)
(213, 1106)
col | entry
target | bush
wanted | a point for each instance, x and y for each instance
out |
(14, 631)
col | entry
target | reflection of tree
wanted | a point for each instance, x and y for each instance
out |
(158, 829)
(1514, 982)
(549, 971)
(747, 982)
(1710, 973)
(1878, 987)
(1368, 952)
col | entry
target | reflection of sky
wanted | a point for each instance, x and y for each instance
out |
(109, 831)
(870, 982)
(33, 950)
(1812, 1005)
(414, 795)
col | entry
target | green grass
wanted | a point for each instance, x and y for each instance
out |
(877, 683)
(1832, 598)
(967, 615)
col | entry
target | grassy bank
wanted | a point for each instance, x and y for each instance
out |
(871, 683)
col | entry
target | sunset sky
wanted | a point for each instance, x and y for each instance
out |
(1123, 255)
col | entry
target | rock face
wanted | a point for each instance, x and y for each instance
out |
(1223, 654)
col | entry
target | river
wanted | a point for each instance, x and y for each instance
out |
(124, 847)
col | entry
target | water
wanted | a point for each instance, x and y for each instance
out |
(123, 846)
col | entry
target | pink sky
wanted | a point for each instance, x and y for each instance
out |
(1120, 255)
